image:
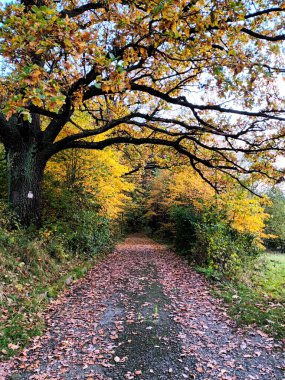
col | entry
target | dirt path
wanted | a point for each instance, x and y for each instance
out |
(142, 313)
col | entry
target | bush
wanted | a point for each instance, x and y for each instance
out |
(74, 221)
(56, 248)
(134, 218)
(222, 249)
(92, 234)
(211, 242)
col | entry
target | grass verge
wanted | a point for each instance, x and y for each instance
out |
(257, 297)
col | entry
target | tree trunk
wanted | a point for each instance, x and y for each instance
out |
(25, 175)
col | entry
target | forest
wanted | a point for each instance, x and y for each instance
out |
(141, 142)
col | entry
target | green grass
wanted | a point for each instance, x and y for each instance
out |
(258, 296)
(271, 279)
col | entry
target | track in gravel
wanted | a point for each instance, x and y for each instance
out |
(142, 313)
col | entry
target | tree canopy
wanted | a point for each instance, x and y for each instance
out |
(198, 76)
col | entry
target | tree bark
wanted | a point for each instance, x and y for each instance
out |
(25, 175)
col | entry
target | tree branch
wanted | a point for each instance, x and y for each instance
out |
(99, 145)
(82, 9)
(260, 36)
(182, 101)
(264, 11)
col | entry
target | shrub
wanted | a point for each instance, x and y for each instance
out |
(92, 234)
(210, 241)
(134, 218)
(222, 249)
(75, 223)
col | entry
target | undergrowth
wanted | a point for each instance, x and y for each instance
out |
(35, 267)
(26, 290)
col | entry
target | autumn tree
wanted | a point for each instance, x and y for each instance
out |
(99, 174)
(198, 76)
(182, 186)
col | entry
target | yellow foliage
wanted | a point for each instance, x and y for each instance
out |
(246, 214)
(184, 186)
(187, 186)
(99, 173)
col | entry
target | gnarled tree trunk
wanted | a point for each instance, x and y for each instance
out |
(25, 174)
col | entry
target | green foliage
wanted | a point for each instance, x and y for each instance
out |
(209, 273)
(256, 297)
(275, 224)
(92, 234)
(266, 275)
(133, 218)
(3, 174)
(210, 241)
(74, 220)
(223, 249)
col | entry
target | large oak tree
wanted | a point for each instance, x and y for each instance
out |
(198, 76)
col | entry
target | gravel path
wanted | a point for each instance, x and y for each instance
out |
(142, 313)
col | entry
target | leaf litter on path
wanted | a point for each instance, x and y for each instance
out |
(143, 313)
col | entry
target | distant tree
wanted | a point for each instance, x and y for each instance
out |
(182, 188)
(197, 76)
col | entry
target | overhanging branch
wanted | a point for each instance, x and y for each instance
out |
(182, 101)
(82, 9)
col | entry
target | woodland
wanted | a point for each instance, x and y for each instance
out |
(163, 117)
